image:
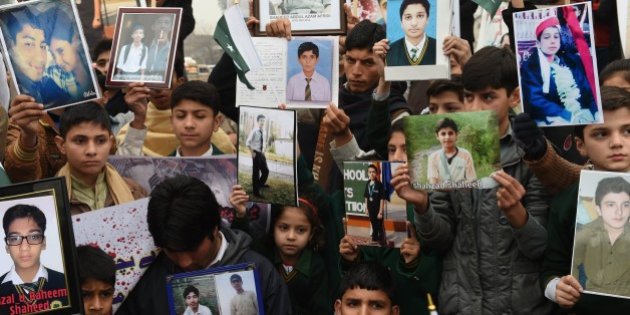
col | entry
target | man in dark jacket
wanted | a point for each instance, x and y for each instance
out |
(183, 218)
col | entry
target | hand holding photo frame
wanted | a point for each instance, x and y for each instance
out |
(308, 17)
(46, 52)
(144, 47)
(44, 282)
(223, 290)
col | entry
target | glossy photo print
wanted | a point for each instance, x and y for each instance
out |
(308, 17)
(456, 150)
(601, 249)
(46, 52)
(37, 268)
(557, 65)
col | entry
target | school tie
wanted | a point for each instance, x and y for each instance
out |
(414, 54)
(307, 90)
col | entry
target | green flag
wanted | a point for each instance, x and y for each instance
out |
(489, 5)
(232, 35)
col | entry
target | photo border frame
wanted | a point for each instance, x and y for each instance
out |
(118, 32)
(84, 47)
(340, 29)
(57, 188)
(442, 67)
(213, 272)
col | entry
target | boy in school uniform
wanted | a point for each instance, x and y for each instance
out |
(195, 107)
(493, 239)
(86, 140)
(607, 146)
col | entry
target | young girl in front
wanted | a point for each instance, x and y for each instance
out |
(292, 246)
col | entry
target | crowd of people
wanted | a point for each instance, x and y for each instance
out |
(504, 250)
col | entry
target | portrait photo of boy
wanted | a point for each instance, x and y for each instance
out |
(602, 246)
(309, 70)
(416, 47)
(450, 163)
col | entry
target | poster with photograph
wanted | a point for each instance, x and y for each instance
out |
(456, 150)
(375, 215)
(46, 53)
(223, 290)
(266, 154)
(218, 172)
(557, 65)
(98, 17)
(601, 248)
(308, 17)
(122, 232)
(143, 49)
(416, 31)
(301, 73)
(37, 270)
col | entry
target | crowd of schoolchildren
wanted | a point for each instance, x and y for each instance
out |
(505, 250)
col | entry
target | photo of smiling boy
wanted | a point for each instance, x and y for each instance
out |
(31, 286)
(416, 47)
(605, 239)
(309, 85)
(191, 296)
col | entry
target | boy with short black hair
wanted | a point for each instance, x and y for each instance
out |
(607, 146)
(366, 286)
(86, 141)
(29, 282)
(97, 276)
(494, 238)
(184, 221)
(450, 164)
(191, 297)
(445, 96)
(195, 106)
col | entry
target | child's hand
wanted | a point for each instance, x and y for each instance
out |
(568, 291)
(509, 198)
(348, 249)
(458, 48)
(279, 28)
(238, 200)
(25, 113)
(402, 184)
(338, 123)
(137, 99)
(410, 248)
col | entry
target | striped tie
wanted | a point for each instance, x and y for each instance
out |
(307, 90)
(414, 54)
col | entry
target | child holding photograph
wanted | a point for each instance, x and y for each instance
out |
(450, 164)
(608, 148)
(86, 140)
(25, 239)
(132, 59)
(292, 246)
(610, 233)
(492, 238)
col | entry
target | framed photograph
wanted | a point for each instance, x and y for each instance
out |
(416, 31)
(143, 49)
(308, 17)
(301, 73)
(98, 17)
(601, 242)
(375, 215)
(557, 65)
(223, 290)
(455, 150)
(266, 154)
(38, 268)
(46, 52)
